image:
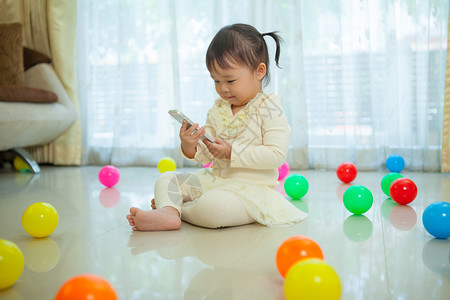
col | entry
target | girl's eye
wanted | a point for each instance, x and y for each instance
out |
(230, 81)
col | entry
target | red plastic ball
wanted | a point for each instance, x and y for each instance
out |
(86, 286)
(294, 249)
(403, 191)
(346, 172)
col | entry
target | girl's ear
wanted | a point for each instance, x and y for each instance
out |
(261, 71)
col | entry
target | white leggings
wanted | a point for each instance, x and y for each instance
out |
(212, 209)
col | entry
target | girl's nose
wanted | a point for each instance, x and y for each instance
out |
(224, 88)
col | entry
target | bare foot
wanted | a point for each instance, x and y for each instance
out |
(153, 204)
(165, 218)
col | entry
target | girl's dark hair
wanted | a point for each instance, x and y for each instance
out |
(241, 44)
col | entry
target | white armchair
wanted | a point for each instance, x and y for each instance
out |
(28, 124)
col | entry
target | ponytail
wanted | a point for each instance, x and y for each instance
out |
(278, 40)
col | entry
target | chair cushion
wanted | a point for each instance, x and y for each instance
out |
(26, 94)
(11, 55)
(25, 124)
(32, 57)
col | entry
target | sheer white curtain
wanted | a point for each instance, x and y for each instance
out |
(360, 80)
(375, 75)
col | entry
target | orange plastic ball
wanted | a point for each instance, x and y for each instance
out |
(87, 286)
(294, 249)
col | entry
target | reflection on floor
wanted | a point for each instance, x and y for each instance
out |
(384, 254)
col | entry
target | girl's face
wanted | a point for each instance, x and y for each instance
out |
(237, 84)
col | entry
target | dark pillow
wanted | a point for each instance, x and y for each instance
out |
(25, 94)
(11, 57)
(32, 58)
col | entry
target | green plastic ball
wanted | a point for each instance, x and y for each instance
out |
(387, 180)
(358, 199)
(296, 186)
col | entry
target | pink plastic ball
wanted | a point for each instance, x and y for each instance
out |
(208, 165)
(283, 171)
(109, 176)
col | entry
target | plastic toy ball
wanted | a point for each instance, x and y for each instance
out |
(109, 176)
(166, 164)
(346, 172)
(294, 249)
(208, 165)
(312, 279)
(87, 286)
(283, 171)
(40, 219)
(296, 186)
(436, 219)
(403, 191)
(358, 199)
(395, 163)
(11, 263)
(387, 180)
(20, 165)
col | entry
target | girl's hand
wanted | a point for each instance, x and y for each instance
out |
(220, 149)
(189, 138)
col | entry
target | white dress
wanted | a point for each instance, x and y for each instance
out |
(259, 134)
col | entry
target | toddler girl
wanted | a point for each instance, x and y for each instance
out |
(251, 141)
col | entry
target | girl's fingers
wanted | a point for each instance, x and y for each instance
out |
(207, 142)
(191, 129)
(183, 127)
(211, 147)
(199, 133)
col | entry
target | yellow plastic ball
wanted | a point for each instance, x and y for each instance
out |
(166, 164)
(19, 164)
(40, 219)
(11, 263)
(312, 279)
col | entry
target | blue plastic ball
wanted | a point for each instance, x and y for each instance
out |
(395, 163)
(436, 219)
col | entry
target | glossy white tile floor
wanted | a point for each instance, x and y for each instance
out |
(385, 254)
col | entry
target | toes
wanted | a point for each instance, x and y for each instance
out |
(130, 219)
(134, 210)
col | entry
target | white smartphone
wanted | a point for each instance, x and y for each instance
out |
(179, 116)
